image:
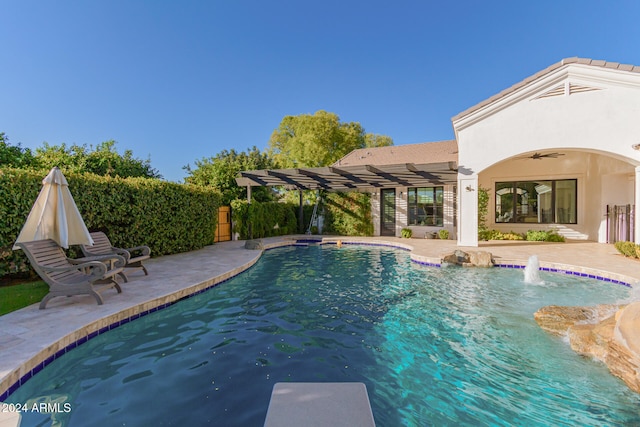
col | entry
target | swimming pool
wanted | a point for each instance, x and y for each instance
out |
(433, 345)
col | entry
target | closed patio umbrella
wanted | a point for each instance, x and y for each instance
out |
(54, 215)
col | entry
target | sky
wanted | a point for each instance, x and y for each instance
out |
(179, 81)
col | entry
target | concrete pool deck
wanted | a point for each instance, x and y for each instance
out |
(31, 338)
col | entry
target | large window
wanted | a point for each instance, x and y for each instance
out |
(542, 202)
(426, 206)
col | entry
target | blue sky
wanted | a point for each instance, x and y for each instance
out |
(178, 81)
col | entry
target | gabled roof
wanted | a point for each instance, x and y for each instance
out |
(548, 70)
(368, 169)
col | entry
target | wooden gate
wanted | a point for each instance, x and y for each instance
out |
(223, 229)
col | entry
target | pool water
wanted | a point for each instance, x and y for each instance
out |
(435, 346)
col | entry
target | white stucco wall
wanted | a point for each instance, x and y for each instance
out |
(604, 121)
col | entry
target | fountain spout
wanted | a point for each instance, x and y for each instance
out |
(532, 271)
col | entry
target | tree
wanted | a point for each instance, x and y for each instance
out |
(221, 171)
(314, 140)
(372, 140)
(104, 160)
(14, 155)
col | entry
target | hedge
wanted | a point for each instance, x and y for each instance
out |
(167, 217)
(267, 219)
(347, 214)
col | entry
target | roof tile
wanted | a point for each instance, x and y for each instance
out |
(431, 152)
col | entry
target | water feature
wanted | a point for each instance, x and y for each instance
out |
(532, 271)
(435, 346)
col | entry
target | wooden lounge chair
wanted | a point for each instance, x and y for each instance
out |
(133, 256)
(67, 276)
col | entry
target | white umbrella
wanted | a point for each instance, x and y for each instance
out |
(55, 215)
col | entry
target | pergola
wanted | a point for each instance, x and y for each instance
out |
(362, 178)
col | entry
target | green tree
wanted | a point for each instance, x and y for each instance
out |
(374, 140)
(314, 140)
(14, 155)
(221, 170)
(103, 160)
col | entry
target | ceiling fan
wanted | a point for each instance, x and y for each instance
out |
(540, 156)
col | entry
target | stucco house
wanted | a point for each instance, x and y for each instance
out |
(560, 149)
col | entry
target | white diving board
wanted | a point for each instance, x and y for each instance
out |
(319, 405)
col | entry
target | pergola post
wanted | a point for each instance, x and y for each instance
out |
(300, 215)
(249, 227)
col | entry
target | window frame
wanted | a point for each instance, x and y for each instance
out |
(517, 213)
(433, 210)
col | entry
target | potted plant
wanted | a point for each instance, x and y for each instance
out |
(406, 233)
(443, 234)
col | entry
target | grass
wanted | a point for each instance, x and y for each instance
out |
(15, 297)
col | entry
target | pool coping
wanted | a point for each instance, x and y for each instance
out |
(16, 377)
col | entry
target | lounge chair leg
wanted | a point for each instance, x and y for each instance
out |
(97, 297)
(117, 286)
(45, 300)
(124, 276)
(146, 273)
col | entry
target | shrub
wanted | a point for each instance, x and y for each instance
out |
(443, 234)
(555, 237)
(406, 233)
(498, 235)
(483, 209)
(544, 236)
(536, 236)
(627, 249)
(512, 236)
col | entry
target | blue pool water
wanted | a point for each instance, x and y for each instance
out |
(435, 346)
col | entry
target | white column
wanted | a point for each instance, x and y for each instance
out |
(636, 232)
(467, 210)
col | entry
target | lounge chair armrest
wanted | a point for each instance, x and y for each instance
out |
(94, 268)
(143, 249)
(121, 252)
(110, 259)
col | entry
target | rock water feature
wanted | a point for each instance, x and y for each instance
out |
(604, 332)
(468, 259)
(609, 333)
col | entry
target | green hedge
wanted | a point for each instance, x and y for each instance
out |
(347, 214)
(167, 217)
(267, 219)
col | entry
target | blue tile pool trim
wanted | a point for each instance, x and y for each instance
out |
(570, 273)
(426, 263)
(40, 366)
